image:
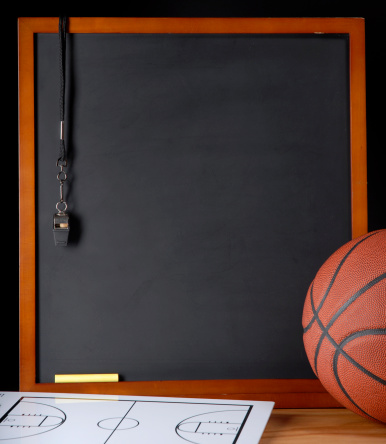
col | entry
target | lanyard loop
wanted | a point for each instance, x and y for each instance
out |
(62, 71)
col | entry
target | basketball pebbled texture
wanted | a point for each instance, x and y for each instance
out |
(344, 322)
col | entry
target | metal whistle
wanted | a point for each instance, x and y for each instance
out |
(61, 228)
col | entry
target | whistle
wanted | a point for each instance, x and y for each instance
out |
(61, 229)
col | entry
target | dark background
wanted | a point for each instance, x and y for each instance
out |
(374, 13)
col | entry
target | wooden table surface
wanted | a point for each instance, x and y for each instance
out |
(332, 426)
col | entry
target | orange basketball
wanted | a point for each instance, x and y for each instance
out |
(344, 321)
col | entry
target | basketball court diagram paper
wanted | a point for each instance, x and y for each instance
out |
(40, 418)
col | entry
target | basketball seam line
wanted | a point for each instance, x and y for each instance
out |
(335, 363)
(374, 331)
(326, 328)
(342, 352)
(338, 352)
(344, 390)
(360, 367)
(333, 279)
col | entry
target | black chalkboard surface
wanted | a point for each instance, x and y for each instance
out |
(208, 180)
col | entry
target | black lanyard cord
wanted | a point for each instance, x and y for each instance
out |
(61, 222)
(62, 71)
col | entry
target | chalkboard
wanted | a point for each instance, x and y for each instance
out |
(208, 180)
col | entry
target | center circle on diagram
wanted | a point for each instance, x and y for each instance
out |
(118, 423)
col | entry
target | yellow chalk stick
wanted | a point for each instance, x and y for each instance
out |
(104, 377)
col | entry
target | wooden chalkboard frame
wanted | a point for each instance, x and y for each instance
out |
(285, 392)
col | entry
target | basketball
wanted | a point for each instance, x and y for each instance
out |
(344, 325)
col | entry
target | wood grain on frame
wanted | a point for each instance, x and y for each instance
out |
(299, 393)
